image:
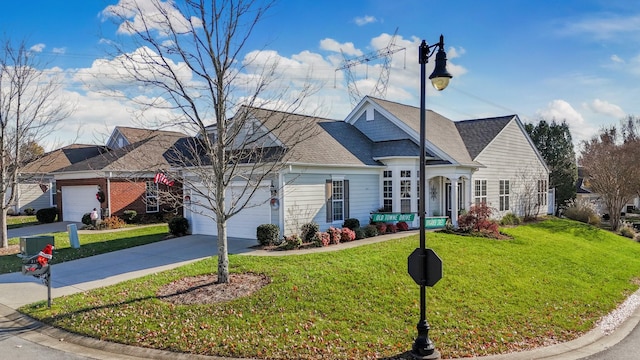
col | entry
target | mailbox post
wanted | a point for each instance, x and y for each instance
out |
(38, 264)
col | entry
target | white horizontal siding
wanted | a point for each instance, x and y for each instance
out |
(509, 157)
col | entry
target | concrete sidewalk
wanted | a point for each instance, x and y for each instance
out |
(102, 270)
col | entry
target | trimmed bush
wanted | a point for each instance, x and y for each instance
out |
(178, 226)
(402, 226)
(583, 211)
(86, 219)
(478, 221)
(392, 228)
(347, 235)
(308, 232)
(360, 234)
(370, 230)
(351, 223)
(268, 234)
(382, 228)
(129, 216)
(47, 215)
(335, 235)
(292, 242)
(510, 219)
(627, 230)
(29, 211)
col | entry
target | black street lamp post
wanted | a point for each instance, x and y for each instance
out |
(423, 347)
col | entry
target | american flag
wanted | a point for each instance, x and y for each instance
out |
(163, 179)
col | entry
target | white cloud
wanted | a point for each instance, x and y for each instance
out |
(142, 15)
(560, 110)
(605, 108)
(364, 20)
(602, 26)
(347, 48)
(59, 50)
(37, 47)
(616, 59)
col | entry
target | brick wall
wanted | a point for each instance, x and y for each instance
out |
(127, 195)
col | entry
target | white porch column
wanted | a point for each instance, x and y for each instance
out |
(469, 189)
(454, 202)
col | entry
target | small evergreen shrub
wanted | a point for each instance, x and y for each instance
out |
(402, 226)
(347, 235)
(47, 215)
(334, 235)
(360, 234)
(113, 222)
(129, 216)
(86, 219)
(308, 232)
(510, 219)
(268, 234)
(292, 242)
(29, 211)
(322, 239)
(178, 226)
(351, 223)
(392, 228)
(382, 228)
(370, 230)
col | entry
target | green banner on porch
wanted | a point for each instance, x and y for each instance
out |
(383, 217)
(435, 222)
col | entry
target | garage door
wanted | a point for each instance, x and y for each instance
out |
(77, 201)
(241, 225)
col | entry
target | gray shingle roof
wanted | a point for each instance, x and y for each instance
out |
(62, 158)
(441, 132)
(478, 133)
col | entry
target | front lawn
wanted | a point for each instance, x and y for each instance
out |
(90, 244)
(551, 283)
(14, 222)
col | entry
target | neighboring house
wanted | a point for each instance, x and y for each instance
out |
(370, 162)
(124, 175)
(37, 186)
(584, 194)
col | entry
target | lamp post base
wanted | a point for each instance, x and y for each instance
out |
(423, 348)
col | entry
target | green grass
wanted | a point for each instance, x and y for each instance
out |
(552, 282)
(14, 222)
(90, 244)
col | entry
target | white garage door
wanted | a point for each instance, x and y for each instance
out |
(77, 201)
(241, 225)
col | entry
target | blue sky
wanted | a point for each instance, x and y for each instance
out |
(573, 60)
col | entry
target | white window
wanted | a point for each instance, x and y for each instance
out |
(542, 192)
(504, 195)
(152, 197)
(405, 191)
(338, 200)
(387, 190)
(480, 192)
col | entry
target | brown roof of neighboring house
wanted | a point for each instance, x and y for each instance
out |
(62, 158)
(133, 135)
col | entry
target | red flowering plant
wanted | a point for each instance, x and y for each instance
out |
(347, 235)
(392, 228)
(382, 228)
(335, 235)
(402, 226)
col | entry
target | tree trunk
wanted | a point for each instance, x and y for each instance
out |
(223, 255)
(3, 226)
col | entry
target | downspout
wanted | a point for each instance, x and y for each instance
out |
(109, 192)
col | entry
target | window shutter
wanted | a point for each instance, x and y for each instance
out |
(328, 194)
(346, 199)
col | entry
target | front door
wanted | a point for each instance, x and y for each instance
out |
(447, 198)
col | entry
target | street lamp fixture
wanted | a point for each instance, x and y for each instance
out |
(423, 348)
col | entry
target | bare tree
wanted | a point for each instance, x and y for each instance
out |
(190, 53)
(610, 162)
(30, 107)
(531, 196)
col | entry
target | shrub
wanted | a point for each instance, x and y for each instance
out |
(510, 219)
(129, 216)
(268, 234)
(86, 219)
(478, 220)
(347, 235)
(178, 226)
(382, 228)
(627, 230)
(322, 239)
(581, 210)
(292, 242)
(402, 226)
(334, 235)
(47, 215)
(392, 228)
(360, 234)
(351, 223)
(29, 211)
(113, 222)
(308, 231)
(371, 230)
